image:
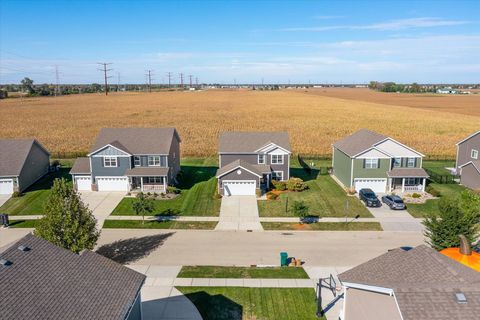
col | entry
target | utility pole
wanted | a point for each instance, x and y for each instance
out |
(105, 72)
(149, 75)
(57, 77)
(169, 75)
(196, 81)
(190, 77)
(181, 80)
(118, 81)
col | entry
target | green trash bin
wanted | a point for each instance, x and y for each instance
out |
(283, 259)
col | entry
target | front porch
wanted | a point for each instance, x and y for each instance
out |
(156, 184)
(402, 180)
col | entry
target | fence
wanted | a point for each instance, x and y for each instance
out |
(442, 178)
(313, 170)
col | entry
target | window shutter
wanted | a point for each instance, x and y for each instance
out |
(378, 163)
(364, 163)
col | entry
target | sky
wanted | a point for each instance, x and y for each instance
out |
(241, 41)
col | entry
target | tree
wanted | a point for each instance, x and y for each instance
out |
(300, 209)
(27, 85)
(67, 222)
(457, 215)
(142, 205)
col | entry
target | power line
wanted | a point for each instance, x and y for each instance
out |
(149, 75)
(169, 75)
(190, 77)
(181, 80)
(105, 72)
(57, 77)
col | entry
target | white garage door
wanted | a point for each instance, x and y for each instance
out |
(377, 185)
(84, 183)
(6, 186)
(239, 188)
(112, 184)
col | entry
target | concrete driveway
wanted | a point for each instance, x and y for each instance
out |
(4, 198)
(396, 220)
(101, 203)
(239, 213)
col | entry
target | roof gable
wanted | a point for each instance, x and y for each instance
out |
(250, 142)
(358, 142)
(468, 138)
(232, 166)
(397, 149)
(14, 153)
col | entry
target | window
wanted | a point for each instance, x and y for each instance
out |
(410, 181)
(371, 163)
(109, 161)
(277, 175)
(277, 158)
(261, 159)
(410, 162)
(474, 154)
(154, 161)
(397, 162)
(136, 161)
(154, 180)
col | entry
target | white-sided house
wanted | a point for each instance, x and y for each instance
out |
(22, 163)
(249, 161)
(367, 159)
(130, 159)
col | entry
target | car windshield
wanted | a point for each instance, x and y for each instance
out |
(370, 195)
(398, 200)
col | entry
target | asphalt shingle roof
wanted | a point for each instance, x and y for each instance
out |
(258, 170)
(245, 142)
(424, 282)
(137, 140)
(49, 282)
(13, 154)
(359, 141)
(81, 165)
(407, 172)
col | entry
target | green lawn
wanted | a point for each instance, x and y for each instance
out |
(323, 226)
(236, 303)
(22, 223)
(438, 167)
(242, 272)
(33, 199)
(198, 198)
(431, 206)
(137, 224)
(325, 198)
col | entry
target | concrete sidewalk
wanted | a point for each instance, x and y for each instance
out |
(239, 213)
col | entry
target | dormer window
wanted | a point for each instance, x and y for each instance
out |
(109, 162)
(277, 158)
(136, 161)
(474, 154)
(154, 161)
(261, 159)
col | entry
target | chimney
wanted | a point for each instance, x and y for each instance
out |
(465, 248)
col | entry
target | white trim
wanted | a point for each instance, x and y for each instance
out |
(139, 159)
(239, 166)
(413, 150)
(269, 145)
(398, 307)
(352, 184)
(107, 145)
(372, 161)
(467, 138)
(387, 155)
(288, 167)
(264, 158)
(456, 159)
(154, 165)
(271, 159)
(276, 171)
(471, 154)
(110, 157)
(367, 287)
(470, 162)
(414, 162)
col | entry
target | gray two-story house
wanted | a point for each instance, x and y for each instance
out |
(249, 161)
(130, 159)
(367, 159)
(468, 161)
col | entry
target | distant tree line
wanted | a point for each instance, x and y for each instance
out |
(395, 87)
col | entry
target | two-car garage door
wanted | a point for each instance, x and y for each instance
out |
(377, 185)
(6, 186)
(239, 188)
(112, 183)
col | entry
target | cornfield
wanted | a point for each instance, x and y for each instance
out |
(314, 122)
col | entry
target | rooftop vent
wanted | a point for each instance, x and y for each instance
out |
(5, 262)
(23, 248)
(461, 297)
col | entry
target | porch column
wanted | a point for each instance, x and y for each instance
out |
(141, 184)
(390, 180)
(424, 184)
(164, 185)
(403, 185)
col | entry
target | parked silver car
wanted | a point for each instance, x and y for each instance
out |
(394, 202)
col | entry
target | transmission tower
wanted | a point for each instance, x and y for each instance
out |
(105, 73)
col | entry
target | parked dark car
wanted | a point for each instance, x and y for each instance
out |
(370, 198)
(394, 202)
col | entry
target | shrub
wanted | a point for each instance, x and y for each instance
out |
(174, 190)
(296, 184)
(300, 209)
(279, 185)
(16, 194)
(434, 192)
(272, 196)
(416, 195)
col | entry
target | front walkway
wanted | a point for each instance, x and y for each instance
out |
(239, 213)
(101, 203)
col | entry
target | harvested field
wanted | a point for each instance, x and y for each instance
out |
(462, 104)
(70, 123)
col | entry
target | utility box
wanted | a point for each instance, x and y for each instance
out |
(283, 259)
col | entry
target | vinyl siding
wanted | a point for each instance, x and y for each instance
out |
(342, 166)
(253, 159)
(174, 162)
(360, 172)
(123, 163)
(35, 166)
(465, 150)
(470, 177)
(109, 151)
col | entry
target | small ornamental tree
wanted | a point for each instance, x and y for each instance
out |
(300, 209)
(142, 205)
(67, 221)
(457, 215)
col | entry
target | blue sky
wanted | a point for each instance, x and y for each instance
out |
(219, 41)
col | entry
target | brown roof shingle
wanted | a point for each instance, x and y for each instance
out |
(49, 282)
(240, 163)
(147, 171)
(407, 173)
(81, 165)
(359, 141)
(246, 142)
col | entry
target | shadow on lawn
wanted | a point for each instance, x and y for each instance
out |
(191, 175)
(133, 249)
(216, 307)
(46, 182)
(303, 174)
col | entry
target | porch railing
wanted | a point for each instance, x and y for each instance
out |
(153, 187)
(413, 188)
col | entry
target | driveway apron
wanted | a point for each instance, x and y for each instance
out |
(101, 203)
(396, 220)
(239, 213)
